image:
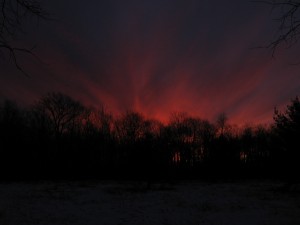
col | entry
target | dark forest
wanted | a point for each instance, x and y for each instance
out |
(59, 138)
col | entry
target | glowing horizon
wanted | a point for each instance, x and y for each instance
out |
(156, 58)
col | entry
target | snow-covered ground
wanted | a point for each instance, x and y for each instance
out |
(190, 202)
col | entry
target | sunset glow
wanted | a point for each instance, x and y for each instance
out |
(156, 58)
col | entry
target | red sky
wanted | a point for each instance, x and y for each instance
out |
(158, 57)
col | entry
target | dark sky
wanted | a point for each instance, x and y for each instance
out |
(157, 57)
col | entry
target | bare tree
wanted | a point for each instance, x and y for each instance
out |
(189, 138)
(62, 111)
(98, 121)
(222, 123)
(288, 23)
(12, 19)
(130, 127)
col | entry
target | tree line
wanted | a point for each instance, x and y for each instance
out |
(59, 138)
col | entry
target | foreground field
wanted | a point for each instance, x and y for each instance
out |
(92, 203)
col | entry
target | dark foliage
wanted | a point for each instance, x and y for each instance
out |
(59, 138)
(287, 128)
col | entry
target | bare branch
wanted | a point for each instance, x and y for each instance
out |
(289, 24)
(276, 3)
(13, 54)
(13, 14)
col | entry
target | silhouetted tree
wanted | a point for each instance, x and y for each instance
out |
(221, 123)
(60, 138)
(61, 118)
(224, 155)
(263, 138)
(287, 125)
(97, 141)
(12, 138)
(154, 155)
(61, 111)
(289, 22)
(129, 128)
(190, 141)
(11, 121)
(208, 134)
(130, 131)
(179, 142)
(255, 148)
(12, 19)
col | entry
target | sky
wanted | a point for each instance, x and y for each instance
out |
(156, 57)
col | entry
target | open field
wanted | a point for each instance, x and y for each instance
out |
(111, 202)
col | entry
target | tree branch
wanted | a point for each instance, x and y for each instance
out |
(289, 24)
(12, 16)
